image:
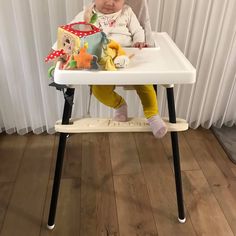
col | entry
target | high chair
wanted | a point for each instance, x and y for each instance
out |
(163, 65)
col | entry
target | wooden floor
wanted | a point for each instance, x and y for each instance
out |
(116, 185)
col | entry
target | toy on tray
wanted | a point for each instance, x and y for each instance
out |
(76, 37)
(82, 46)
(81, 60)
(113, 57)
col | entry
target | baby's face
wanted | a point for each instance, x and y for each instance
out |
(109, 6)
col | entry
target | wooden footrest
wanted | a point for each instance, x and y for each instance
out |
(102, 125)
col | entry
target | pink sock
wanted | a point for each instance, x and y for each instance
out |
(121, 113)
(158, 126)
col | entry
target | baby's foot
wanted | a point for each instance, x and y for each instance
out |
(121, 113)
(158, 126)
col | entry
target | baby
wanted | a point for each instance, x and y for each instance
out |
(118, 22)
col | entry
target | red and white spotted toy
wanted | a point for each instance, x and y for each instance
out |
(72, 37)
(54, 55)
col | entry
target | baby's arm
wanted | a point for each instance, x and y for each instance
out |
(137, 31)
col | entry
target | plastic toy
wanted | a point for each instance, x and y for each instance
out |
(71, 38)
(82, 46)
(82, 60)
(113, 57)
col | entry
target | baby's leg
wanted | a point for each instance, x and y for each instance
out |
(106, 95)
(148, 99)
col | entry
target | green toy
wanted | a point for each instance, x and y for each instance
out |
(51, 72)
(93, 18)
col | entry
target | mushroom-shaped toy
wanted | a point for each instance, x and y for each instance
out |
(54, 55)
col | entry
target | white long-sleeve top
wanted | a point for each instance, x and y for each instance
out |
(122, 26)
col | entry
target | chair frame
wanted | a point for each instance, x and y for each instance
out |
(68, 105)
(69, 97)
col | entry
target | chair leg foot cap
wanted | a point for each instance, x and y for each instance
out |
(50, 226)
(182, 221)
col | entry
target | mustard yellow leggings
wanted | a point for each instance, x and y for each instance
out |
(146, 93)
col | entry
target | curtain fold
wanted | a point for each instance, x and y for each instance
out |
(204, 30)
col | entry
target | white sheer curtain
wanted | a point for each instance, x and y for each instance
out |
(205, 31)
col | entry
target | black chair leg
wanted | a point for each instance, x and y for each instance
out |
(176, 157)
(69, 96)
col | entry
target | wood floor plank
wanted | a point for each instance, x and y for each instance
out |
(26, 206)
(72, 157)
(98, 205)
(232, 188)
(133, 206)
(217, 152)
(5, 194)
(233, 169)
(11, 151)
(144, 184)
(204, 157)
(161, 187)
(203, 207)
(54, 156)
(68, 209)
(124, 156)
(67, 220)
(227, 201)
(188, 162)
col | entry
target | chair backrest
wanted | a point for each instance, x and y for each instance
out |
(140, 8)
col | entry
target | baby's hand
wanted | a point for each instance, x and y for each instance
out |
(140, 45)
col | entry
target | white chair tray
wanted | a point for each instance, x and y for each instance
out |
(164, 64)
